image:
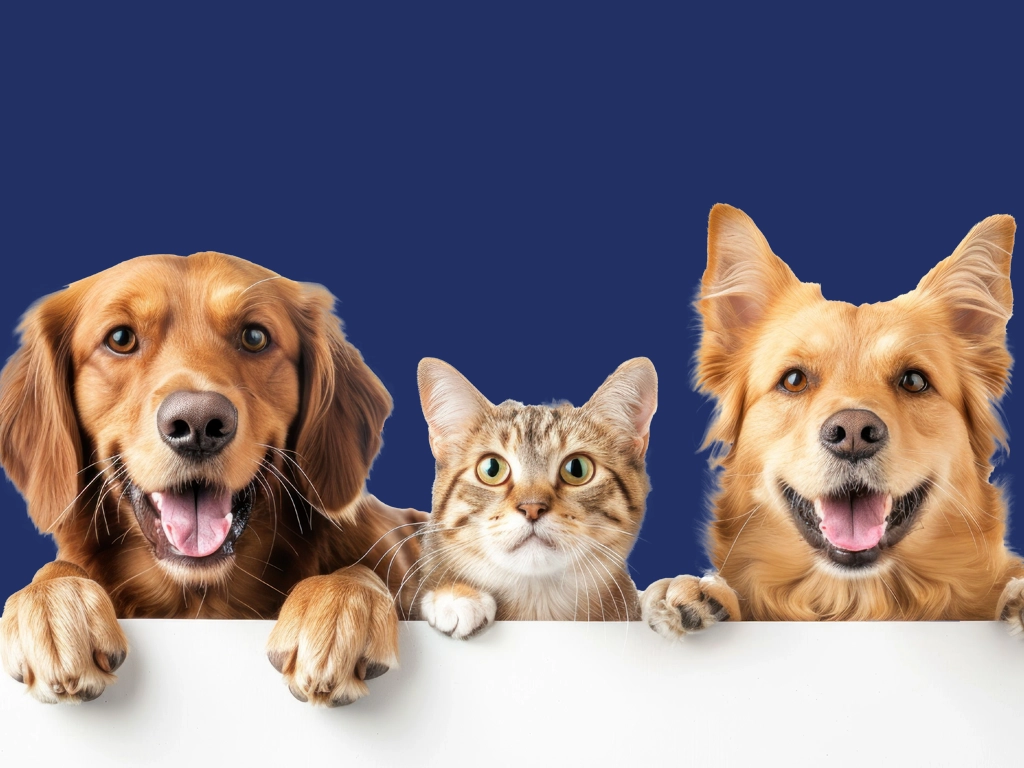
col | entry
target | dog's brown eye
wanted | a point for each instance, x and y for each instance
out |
(254, 338)
(122, 340)
(914, 381)
(794, 381)
(492, 470)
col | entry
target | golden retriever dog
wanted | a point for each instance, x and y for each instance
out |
(196, 433)
(856, 443)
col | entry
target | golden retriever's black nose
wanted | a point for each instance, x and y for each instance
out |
(854, 434)
(196, 423)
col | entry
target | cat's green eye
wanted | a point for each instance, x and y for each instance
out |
(492, 470)
(577, 470)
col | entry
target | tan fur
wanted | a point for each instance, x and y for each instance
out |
(676, 607)
(759, 323)
(479, 562)
(338, 630)
(76, 421)
(75, 659)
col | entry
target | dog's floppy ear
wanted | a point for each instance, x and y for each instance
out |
(972, 289)
(338, 431)
(40, 442)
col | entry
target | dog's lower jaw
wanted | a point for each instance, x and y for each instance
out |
(898, 523)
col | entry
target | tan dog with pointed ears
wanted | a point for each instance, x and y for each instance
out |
(857, 442)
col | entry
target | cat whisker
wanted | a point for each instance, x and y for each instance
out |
(586, 561)
(625, 603)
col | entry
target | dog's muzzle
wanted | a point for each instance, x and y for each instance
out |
(852, 526)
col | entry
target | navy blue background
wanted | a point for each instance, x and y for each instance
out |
(522, 192)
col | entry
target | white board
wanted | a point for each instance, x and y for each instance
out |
(534, 693)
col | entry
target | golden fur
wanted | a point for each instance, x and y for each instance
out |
(79, 436)
(942, 555)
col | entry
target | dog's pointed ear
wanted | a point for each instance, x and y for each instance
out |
(40, 442)
(742, 279)
(971, 290)
(628, 399)
(451, 404)
(973, 284)
(344, 405)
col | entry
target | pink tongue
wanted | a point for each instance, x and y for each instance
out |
(196, 521)
(854, 523)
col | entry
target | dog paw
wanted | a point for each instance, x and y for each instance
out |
(333, 634)
(60, 637)
(458, 610)
(677, 607)
(1010, 607)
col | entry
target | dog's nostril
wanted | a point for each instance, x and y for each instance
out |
(870, 435)
(215, 428)
(179, 429)
(838, 435)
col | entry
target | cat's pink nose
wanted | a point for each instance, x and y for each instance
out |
(532, 510)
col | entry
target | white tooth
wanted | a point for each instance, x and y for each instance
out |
(230, 518)
(817, 509)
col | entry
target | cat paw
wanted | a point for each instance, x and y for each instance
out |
(677, 607)
(1010, 607)
(458, 610)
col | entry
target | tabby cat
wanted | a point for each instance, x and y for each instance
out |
(535, 507)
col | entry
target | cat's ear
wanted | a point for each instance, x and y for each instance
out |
(450, 403)
(628, 399)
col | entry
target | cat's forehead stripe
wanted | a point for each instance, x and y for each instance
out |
(530, 425)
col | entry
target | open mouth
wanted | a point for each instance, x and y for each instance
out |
(853, 525)
(196, 523)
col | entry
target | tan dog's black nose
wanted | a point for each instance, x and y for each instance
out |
(854, 434)
(196, 423)
(532, 509)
